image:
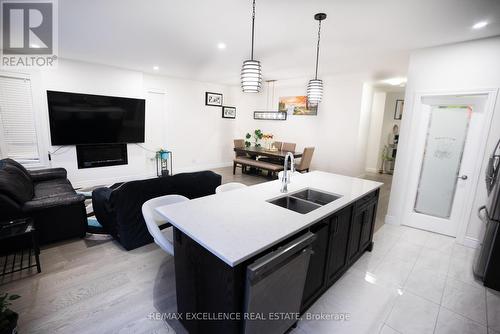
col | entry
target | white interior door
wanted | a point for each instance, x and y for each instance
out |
(447, 142)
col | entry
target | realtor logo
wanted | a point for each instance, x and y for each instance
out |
(29, 33)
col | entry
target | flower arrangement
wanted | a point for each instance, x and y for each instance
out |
(268, 137)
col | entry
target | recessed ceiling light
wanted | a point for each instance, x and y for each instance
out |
(395, 81)
(156, 68)
(480, 25)
(35, 46)
(221, 46)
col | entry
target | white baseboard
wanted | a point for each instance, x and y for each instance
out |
(391, 220)
(471, 242)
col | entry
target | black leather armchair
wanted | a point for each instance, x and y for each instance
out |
(45, 195)
(119, 210)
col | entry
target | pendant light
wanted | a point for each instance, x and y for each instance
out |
(251, 75)
(315, 86)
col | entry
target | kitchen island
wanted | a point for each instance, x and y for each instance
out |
(216, 238)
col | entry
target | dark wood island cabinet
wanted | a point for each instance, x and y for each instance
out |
(206, 284)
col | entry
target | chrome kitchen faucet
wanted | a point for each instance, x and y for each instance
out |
(285, 180)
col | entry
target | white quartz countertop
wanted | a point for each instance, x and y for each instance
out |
(239, 224)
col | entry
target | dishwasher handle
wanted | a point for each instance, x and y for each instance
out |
(260, 268)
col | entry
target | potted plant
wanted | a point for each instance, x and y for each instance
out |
(257, 134)
(387, 161)
(247, 142)
(8, 318)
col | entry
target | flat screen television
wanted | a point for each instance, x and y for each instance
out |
(94, 119)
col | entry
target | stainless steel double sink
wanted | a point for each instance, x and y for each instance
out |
(304, 201)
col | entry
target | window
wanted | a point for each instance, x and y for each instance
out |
(18, 137)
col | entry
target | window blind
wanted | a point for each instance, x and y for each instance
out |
(17, 125)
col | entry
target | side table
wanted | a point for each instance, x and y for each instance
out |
(19, 232)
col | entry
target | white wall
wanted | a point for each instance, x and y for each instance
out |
(176, 119)
(458, 67)
(338, 132)
(375, 132)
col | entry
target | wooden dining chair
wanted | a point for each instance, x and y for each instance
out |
(305, 161)
(288, 147)
(238, 143)
(277, 145)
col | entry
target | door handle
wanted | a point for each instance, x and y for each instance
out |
(463, 177)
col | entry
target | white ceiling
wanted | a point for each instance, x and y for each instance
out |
(181, 36)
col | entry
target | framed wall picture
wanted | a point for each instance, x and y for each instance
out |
(297, 105)
(398, 111)
(228, 112)
(270, 115)
(213, 99)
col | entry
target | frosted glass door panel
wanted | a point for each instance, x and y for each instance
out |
(444, 146)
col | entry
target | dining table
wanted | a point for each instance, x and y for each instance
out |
(255, 151)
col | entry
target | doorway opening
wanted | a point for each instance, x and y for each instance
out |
(382, 147)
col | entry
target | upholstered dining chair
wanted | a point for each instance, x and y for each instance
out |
(163, 238)
(277, 145)
(239, 143)
(289, 147)
(305, 160)
(229, 186)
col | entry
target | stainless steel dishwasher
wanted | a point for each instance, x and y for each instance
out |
(274, 287)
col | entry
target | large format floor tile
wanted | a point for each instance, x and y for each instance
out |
(413, 315)
(388, 330)
(452, 323)
(493, 305)
(466, 300)
(404, 251)
(441, 243)
(417, 237)
(434, 260)
(350, 295)
(393, 271)
(461, 269)
(426, 283)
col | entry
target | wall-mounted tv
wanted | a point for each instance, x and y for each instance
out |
(94, 119)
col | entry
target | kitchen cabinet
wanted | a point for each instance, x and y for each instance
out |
(339, 239)
(363, 220)
(316, 272)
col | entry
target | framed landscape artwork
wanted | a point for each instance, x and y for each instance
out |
(228, 112)
(297, 105)
(213, 99)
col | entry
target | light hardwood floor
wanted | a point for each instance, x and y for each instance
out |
(89, 286)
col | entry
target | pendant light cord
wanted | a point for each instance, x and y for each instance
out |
(253, 25)
(317, 50)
